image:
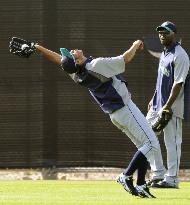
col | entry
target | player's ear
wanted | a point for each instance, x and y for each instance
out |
(78, 61)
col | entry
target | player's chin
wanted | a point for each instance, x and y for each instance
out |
(163, 41)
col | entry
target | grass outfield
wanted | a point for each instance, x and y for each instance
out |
(84, 193)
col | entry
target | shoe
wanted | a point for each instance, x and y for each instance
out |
(151, 182)
(144, 192)
(164, 184)
(127, 183)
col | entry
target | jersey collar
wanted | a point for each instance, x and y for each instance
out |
(166, 51)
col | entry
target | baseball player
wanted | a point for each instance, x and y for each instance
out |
(103, 78)
(169, 95)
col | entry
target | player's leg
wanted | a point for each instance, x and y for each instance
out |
(156, 161)
(133, 123)
(141, 173)
(173, 140)
(126, 177)
(138, 163)
(146, 141)
(142, 187)
(139, 128)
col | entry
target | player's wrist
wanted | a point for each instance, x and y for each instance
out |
(138, 44)
(36, 45)
(135, 46)
(38, 48)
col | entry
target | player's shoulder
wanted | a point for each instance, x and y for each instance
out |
(101, 61)
(104, 59)
(180, 51)
(181, 55)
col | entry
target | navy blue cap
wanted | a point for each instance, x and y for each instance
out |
(169, 26)
(67, 61)
(68, 65)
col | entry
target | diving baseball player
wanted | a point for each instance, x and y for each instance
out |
(103, 78)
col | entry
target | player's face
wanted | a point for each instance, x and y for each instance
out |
(78, 55)
(166, 38)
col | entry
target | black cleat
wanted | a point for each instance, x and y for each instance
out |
(127, 183)
(164, 184)
(144, 192)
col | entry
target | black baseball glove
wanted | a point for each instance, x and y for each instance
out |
(21, 47)
(162, 120)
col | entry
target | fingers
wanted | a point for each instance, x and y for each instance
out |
(139, 44)
(141, 47)
(148, 107)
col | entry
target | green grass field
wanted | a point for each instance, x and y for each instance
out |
(84, 193)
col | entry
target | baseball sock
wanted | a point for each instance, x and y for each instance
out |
(139, 161)
(141, 173)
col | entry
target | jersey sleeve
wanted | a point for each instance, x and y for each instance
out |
(181, 68)
(107, 67)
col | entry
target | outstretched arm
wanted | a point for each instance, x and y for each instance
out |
(50, 55)
(25, 48)
(130, 53)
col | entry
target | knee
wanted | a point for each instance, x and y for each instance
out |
(155, 146)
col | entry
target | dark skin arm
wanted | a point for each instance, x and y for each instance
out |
(173, 95)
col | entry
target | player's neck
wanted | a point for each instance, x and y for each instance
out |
(170, 45)
(82, 60)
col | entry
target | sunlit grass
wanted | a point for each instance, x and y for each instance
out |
(84, 193)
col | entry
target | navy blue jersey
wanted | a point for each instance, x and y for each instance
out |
(102, 77)
(173, 69)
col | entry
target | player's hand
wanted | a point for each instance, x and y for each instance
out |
(21, 47)
(165, 107)
(162, 120)
(138, 44)
(149, 105)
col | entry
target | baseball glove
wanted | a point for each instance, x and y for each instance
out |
(21, 47)
(162, 120)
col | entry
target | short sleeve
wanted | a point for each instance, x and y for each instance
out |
(107, 67)
(181, 68)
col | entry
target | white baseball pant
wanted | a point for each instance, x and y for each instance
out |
(133, 123)
(173, 140)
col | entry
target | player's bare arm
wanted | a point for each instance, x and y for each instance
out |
(173, 95)
(50, 55)
(130, 53)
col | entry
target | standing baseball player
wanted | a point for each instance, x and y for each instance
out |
(103, 78)
(169, 95)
